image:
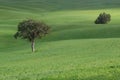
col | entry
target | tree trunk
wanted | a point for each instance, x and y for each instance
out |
(33, 46)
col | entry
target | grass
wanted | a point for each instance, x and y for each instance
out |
(68, 61)
(76, 48)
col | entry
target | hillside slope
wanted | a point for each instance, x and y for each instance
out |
(75, 49)
(51, 5)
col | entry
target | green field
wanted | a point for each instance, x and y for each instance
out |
(75, 49)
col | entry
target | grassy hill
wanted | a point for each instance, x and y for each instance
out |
(76, 48)
(58, 4)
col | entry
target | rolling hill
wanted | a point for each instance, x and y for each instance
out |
(75, 49)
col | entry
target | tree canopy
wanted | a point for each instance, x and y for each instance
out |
(103, 18)
(31, 29)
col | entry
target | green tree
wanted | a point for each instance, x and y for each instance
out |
(103, 18)
(30, 30)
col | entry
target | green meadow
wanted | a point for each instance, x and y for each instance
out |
(75, 49)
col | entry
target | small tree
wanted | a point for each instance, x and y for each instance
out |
(30, 30)
(103, 18)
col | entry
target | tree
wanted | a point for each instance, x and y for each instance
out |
(30, 30)
(103, 18)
